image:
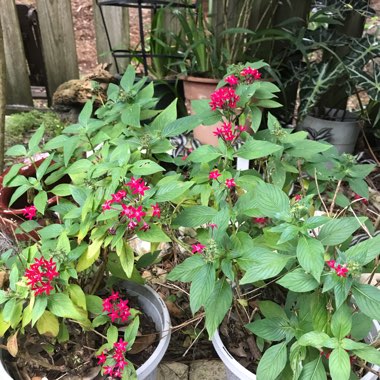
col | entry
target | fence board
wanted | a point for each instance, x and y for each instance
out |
(117, 21)
(58, 41)
(18, 85)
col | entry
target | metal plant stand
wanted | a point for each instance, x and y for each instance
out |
(154, 5)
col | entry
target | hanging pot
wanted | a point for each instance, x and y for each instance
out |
(154, 307)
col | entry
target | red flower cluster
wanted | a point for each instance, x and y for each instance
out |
(117, 360)
(224, 98)
(230, 183)
(297, 197)
(341, 270)
(214, 174)
(134, 212)
(261, 221)
(232, 80)
(362, 199)
(197, 248)
(29, 212)
(250, 74)
(40, 275)
(229, 133)
(116, 307)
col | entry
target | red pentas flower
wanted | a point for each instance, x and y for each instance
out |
(250, 74)
(261, 221)
(297, 197)
(230, 183)
(29, 212)
(137, 186)
(214, 174)
(116, 308)
(40, 275)
(117, 355)
(197, 248)
(228, 132)
(232, 80)
(156, 210)
(340, 270)
(224, 98)
(362, 199)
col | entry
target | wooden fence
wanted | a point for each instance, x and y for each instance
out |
(58, 44)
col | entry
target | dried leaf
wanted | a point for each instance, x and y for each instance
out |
(142, 342)
(12, 345)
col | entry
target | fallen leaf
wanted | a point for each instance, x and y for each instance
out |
(12, 345)
(174, 310)
(142, 342)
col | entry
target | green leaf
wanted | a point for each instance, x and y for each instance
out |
(48, 324)
(69, 148)
(112, 334)
(361, 326)
(296, 358)
(90, 255)
(77, 296)
(202, 286)
(253, 149)
(146, 167)
(39, 308)
(257, 115)
(130, 115)
(94, 304)
(63, 335)
(195, 216)
(187, 270)
(153, 235)
(369, 354)
(62, 190)
(130, 332)
(365, 251)
(336, 231)
(268, 265)
(126, 256)
(315, 339)
(272, 363)
(217, 305)
(167, 116)
(272, 201)
(205, 153)
(310, 254)
(341, 322)
(272, 329)
(13, 171)
(172, 190)
(267, 103)
(181, 125)
(61, 305)
(51, 231)
(339, 364)
(298, 281)
(16, 150)
(270, 309)
(85, 114)
(40, 201)
(314, 370)
(307, 149)
(128, 79)
(367, 297)
(18, 192)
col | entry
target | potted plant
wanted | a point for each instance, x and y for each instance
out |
(268, 263)
(60, 287)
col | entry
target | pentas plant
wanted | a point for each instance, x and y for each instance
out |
(265, 242)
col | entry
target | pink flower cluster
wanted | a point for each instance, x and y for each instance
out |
(116, 308)
(260, 221)
(340, 270)
(228, 132)
(29, 212)
(197, 248)
(133, 212)
(40, 275)
(250, 74)
(224, 98)
(116, 360)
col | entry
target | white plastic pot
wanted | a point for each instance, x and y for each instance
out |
(235, 371)
(153, 306)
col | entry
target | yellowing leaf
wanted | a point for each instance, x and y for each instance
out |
(48, 324)
(90, 255)
(77, 295)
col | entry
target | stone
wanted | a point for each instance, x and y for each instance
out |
(173, 371)
(207, 369)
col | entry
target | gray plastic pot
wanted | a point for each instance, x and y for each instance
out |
(154, 307)
(235, 371)
(341, 134)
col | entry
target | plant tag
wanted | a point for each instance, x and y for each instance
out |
(242, 164)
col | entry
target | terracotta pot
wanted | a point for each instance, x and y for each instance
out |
(196, 88)
(12, 216)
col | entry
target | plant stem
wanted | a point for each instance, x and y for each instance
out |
(335, 195)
